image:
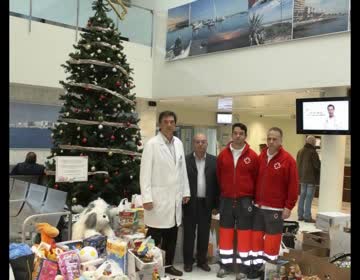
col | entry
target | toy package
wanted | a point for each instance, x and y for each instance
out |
(70, 245)
(44, 269)
(98, 242)
(69, 264)
(116, 251)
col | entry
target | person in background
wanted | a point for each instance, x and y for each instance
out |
(308, 164)
(28, 167)
(164, 187)
(237, 167)
(276, 194)
(201, 170)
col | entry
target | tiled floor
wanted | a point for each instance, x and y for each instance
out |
(198, 274)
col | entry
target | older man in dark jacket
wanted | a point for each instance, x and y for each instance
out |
(308, 164)
(201, 170)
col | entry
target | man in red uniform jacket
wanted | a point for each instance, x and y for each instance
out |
(276, 193)
(236, 171)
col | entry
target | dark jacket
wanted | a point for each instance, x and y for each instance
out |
(212, 189)
(308, 164)
(25, 168)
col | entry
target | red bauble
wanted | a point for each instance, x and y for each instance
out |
(91, 187)
(81, 154)
(132, 157)
(102, 97)
(128, 124)
(76, 110)
(116, 173)
(112, 138)
(117, 83)
(106, 180)
(139, 143)
(56, 186)
(84, 140)
(87, 88)
(87, 110)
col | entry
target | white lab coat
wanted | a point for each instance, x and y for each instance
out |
(163, 182)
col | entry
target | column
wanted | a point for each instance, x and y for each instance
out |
(147, 115)
(332, 165)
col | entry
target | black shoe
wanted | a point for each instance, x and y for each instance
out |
(187, 267)
(300, 219)
(255, 274)
(311, 220)
(204, 266)
(173, 271)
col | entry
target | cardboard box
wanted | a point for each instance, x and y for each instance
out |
(313, 265)
(316, 239)
(272, 271)
(339, 241)
(325, 220)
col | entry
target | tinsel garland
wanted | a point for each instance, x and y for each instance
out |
(101, 44)
(99, 63)
(86, 122)
(101, 150)
(98, 88)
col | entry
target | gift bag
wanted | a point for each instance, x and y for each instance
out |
(23, 267)
(212, 247)
(124, 205)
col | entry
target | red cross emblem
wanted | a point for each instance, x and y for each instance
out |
(277, 165)
(247, 160)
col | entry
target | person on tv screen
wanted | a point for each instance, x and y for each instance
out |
(331, 121)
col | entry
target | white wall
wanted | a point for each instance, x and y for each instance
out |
(306, 63)
(35, 57)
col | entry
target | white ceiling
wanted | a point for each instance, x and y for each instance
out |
(271, 105)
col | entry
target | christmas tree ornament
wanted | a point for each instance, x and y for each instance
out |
(78, 128)
(92, 55)
(122, 136)
(76, 110)
(78, 137)
(91, 187)
(116, 173)
(119, 55)
(100, 126)
(110, 153)
(98, 51)
(74, 200)
(67, 114)
(101, 136)
(54, 154)
(131, 177)
(62, 151)
(113, 47)
(52, 135)
(114, 69)
(139, 143)
(84, 140)
(61, 131)
(100, 118)
(56, 186)
(112, 137)
(98, 38)
(93, 168)
(87, 110)
(92, 66)
(99, 19)
(118, 83)
(128, 124)
(106, 181)
(115, 110)
(108, 59)
(88, 46)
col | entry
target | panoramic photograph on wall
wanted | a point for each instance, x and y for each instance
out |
(270, 21)
(317, 17)
(29, 125)
(208, 26)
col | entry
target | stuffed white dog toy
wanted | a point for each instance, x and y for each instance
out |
(94, 219)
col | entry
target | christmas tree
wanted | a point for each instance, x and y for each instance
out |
(98, 117)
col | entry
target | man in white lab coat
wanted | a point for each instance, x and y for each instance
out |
(164, 187)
